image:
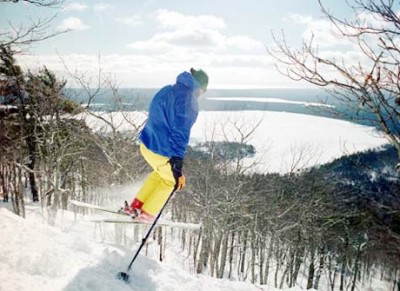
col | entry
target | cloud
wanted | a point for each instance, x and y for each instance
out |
(298, 18)
(322, 32)
(180, 39)
(368, 19)
(204, 32)
(175, 20)
(101, 7)
(184, 41)
(72, 23)
(134, 20)
(75, 6)
(329, 36)
(141, 70)
(179, 42)
(244, 42)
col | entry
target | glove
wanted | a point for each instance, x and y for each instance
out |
(176, 166)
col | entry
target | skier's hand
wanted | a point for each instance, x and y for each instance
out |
(180, 183)
(176, 166)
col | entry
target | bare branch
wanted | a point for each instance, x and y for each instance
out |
(41, 3)
(370, 85)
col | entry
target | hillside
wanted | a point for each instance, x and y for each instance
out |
(35, 256)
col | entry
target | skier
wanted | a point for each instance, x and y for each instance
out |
(164, 140)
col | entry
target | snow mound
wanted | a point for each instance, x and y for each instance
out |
(34, 256)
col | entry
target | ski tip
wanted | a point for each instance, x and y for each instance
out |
(123, 276)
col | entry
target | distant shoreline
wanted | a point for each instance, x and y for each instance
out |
(314, 102)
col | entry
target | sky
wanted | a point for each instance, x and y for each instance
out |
(147, 43)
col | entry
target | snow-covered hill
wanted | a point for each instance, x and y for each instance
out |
(35, 256)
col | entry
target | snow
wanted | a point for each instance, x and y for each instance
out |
(269, 100)
(283, 141)
(287, 141)
(35, 256)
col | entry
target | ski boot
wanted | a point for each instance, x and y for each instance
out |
(127, 210)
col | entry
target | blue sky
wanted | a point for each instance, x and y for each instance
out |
(146, 43)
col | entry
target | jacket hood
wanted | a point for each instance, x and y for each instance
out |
(188, 80)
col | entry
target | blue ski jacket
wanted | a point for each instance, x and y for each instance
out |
(172, 113)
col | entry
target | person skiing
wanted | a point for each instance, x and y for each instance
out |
(163, 142)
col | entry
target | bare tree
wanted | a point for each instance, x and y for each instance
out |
(368, 87)
(41, 3)
(20, 37)
(119, 126)
(218, 197)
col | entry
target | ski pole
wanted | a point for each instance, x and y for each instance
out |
(124, 275)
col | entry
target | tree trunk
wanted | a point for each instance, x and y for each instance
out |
(320, 268)
(4, 176)
(344, 265)
(253, 258)
(332, 272)
(17, 195)
(215, 255)
(342, 275)
(290, 268)
(285, 273)
(14, 191)
(278, 264)
(356, 268)
(31, 165)
(160, 243)
(311, 270)
(261, 255)
(231, 255)
(21, 195)
(204, 253)
(269, 255)
(297, 264)
(196, 248)
(224, 251)
(243, 257)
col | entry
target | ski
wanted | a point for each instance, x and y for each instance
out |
(96, 207)
(192, 226)
(127, 219)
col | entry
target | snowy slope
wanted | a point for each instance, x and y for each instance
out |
(35, 256)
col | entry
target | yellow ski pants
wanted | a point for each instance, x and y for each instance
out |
(158, 185)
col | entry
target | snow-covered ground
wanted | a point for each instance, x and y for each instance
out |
(79, 255)
(269, 100)
(69, 257)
